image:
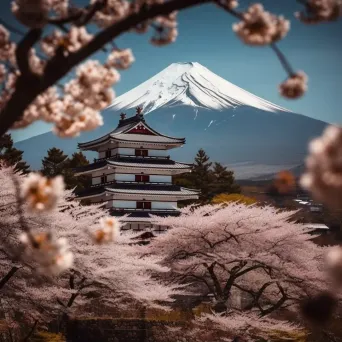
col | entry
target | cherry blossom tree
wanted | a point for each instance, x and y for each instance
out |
(251, 259)
(54, 262)
(30, 88)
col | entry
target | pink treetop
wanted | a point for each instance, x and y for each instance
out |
(116, 271)
(237, 252)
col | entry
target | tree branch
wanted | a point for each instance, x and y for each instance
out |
(215, 280)
(60, 65)
(8, 276)
(277, 305)
(31, 331)
(23, 50)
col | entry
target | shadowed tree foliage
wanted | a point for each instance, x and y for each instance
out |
(223, 181)
(12, 156)
(201, 174)
(81, 182)
(58, 163)
(210, 179)
(54, 163)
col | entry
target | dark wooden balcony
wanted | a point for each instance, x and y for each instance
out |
(133, 157)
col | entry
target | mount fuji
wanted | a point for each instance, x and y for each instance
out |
(250, 135)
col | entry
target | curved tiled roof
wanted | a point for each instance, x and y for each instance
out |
(126, 125)
(139, 162)
(147, 189)
(162, 192)
(151, 165)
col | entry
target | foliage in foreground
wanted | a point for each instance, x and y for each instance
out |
(101, 274)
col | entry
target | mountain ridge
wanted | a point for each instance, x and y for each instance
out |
(190, 83)
(232, 125)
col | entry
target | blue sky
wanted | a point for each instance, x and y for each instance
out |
(206, 37)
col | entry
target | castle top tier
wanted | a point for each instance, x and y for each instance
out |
(133, 132)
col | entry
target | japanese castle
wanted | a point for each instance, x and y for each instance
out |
(133, 174)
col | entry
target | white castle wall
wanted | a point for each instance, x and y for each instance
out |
(127, 177)
(129, 151)
(133, 204)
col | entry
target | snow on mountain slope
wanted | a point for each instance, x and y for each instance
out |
(189, 84)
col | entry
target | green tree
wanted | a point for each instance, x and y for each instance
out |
(12, 156)
(58, 163)
(201, 175)
(81, 182)
(54, 163)
(223, 181)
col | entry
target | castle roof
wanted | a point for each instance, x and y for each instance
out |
(138, 189)
(131, 162)
(132, 130)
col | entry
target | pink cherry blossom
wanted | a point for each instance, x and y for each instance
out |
(113, 11)
(259, 27)
(120, 59)
(109, 231)
(68, 127)
(76, 38)
(31, 13)
(323, 177)
(317, 11)
(295, 86)
(41, 193)
(52, 255)
(166, 31)
(46, 107)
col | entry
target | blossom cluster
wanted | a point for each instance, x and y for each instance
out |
(47, 106)
(120, 59)
(109, 231)
(113, 11)
(52, 255)
(7, 48)
(34, 13)
(77, 108)
(317, 11)
(294, 86)
(166, 30)
(88, 93)
(72, 41)
(323, 177)
(41, 193)
(259, 27)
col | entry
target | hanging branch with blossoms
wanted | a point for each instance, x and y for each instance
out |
(30, 89)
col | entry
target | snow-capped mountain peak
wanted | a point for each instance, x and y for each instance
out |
(189, 84)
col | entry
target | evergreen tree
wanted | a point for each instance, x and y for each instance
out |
(81, 182)
(58, 163)
(223, 181)
(12, 156)
(201, 175)
(54, 163)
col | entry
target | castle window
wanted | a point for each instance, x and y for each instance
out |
(108, 153)
(142, 178)
(103, 179)
(141, 153)
(144, 205)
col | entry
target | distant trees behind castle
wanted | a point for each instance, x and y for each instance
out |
(11, 156)
(211, 178)
(56, 162)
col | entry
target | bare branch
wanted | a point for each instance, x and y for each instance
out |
(23, 50)
(8, 276)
